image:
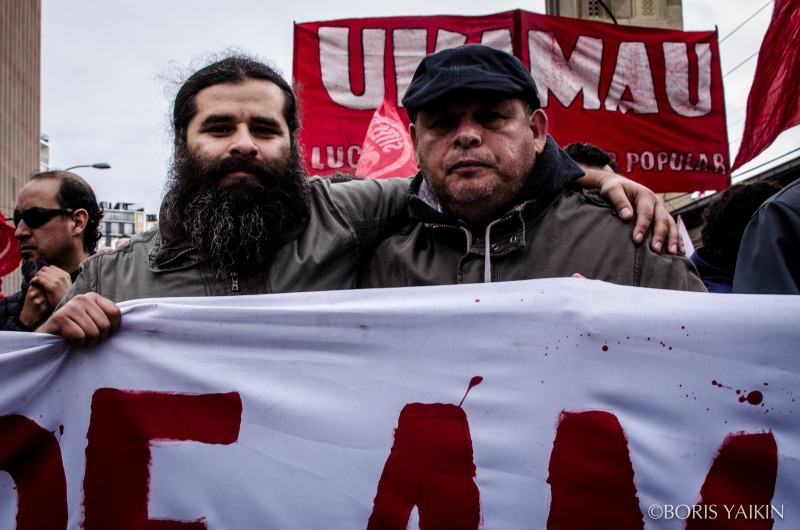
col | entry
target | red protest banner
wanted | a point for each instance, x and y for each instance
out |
(652, 97)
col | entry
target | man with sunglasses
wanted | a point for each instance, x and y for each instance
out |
(57, 222)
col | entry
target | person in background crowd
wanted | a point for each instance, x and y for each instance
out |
(494, 199)
(769, 256)
(240, 215)
(57, 222)
(725, 219)
(588, 155)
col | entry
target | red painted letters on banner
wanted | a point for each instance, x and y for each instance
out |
(430, 466)
(123, 424)
(652, 97)
(32, 457)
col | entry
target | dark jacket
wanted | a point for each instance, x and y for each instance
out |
(552, 230)
(716, 279)
(11, 308)
(769, 255)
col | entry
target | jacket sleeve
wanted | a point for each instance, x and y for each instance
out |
(10, 309)
(81, 285)
(665, 271)
(769, 255)
(374, 208)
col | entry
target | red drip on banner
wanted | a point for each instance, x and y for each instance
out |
(475, 381)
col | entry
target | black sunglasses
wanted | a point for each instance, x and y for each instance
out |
(36, 217)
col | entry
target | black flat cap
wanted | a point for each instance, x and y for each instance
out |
(469, 68)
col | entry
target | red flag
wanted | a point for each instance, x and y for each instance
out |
(772, 106)
(387, 150)
(9, 249)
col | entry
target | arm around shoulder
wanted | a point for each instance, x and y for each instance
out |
(374, 208)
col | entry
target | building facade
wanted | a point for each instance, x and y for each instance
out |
(122, 220)
(44, 151)
(20, 51)
(649, 13)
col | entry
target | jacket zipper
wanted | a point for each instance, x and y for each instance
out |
(176, 256)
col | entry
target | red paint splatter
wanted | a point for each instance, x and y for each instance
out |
(475, 381)
(61, 430)
(715, 383)
(605, 348)
(477, 300)
(755, 397)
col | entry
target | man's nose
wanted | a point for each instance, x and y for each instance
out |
(468, 134)
(242, 143)
(22, 231)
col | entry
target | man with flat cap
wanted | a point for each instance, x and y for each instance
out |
(494, 199)
(240, 216)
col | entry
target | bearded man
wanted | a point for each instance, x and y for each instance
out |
(240, 216)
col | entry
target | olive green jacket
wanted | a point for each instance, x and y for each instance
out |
(346, 220)
(553, 230)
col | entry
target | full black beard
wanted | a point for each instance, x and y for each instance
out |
(240, 225)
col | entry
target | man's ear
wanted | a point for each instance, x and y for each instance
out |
(79, 217)
(412, 131)
(538, 124)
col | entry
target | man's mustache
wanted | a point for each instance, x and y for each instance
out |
(224, 166)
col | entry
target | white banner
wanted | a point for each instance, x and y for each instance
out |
(597, 406)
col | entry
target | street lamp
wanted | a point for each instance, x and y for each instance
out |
(98, 165)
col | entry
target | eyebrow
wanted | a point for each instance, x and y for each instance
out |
(223, 118)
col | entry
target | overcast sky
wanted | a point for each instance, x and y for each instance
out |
(110, 69)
